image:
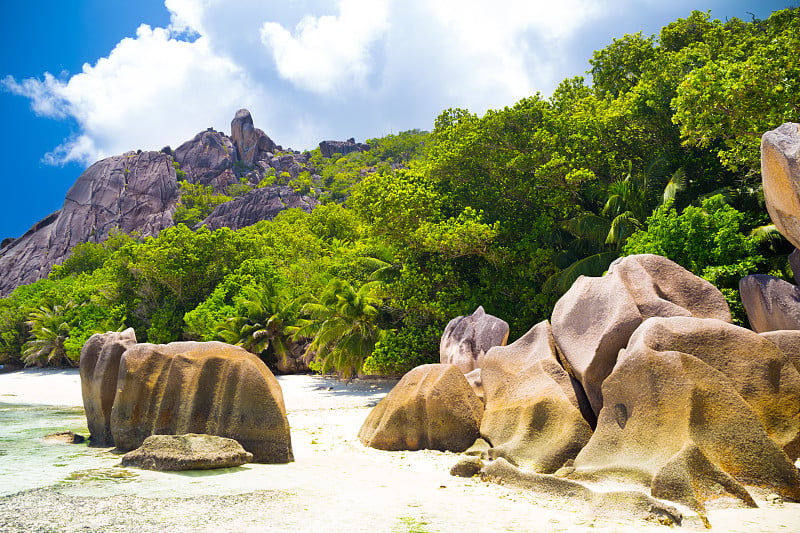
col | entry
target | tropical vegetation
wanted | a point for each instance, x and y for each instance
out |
(656, 152)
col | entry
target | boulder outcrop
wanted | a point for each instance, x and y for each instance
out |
(200, 387)
(467, 338)
(665, 410)
(432, 407)
(756, 369)
(259, 204)
(251, 143)
(187, 452)
(596, 316)
(533, 415)
(771, 303)
(136, 191)
(328, 148)
(787, 341)
(99, 369)
(208, 159)
(780, 168)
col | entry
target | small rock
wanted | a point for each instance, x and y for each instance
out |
(187, 452)
(467, 467)
(774, 499)
(64, 437)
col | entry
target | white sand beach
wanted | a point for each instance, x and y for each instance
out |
(335, 483)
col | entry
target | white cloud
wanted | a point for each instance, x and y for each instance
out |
(310, 69)
(329, 52)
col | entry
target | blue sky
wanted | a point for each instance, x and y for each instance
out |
(82, 80)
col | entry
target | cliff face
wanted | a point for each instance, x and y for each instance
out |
(130, 192)
(138, 191)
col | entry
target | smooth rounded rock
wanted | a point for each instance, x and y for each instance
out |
(466, 339)
(771, 303)
(780, 174)
(187, 452)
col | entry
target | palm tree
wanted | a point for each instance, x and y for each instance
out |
(49, 332)
(599, 238)
(342, 324)
(264, 313)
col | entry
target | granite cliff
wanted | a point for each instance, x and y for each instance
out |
(139, 192)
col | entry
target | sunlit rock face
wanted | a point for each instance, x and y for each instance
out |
(780, 173)
(200, 387)
(136, 191)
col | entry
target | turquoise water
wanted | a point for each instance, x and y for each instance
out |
(27, 461)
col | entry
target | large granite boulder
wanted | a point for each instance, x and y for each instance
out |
(251, 143)
(675, 423)
(136, 191)
(329, 148)
(208, 159)
(780, 174)
(467, 338)
(596, 316)
(533, 415)
(771, 303)
(200, 387)
(760, 372)
(787, 341)
(259, 204)
(432, 407)
(187, 452)
(99, 369)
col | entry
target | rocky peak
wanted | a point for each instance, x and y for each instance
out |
(208, 159)
(328, 148)
(257, 205)
(251, 143)
(136, 191)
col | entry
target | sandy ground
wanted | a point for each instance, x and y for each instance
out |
(335, 484)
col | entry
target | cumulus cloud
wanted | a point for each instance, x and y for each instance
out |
(328, 52)
(150, 91)
(309, 69)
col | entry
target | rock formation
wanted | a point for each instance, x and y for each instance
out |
(187, 452)
(251, 143)
(596, 316)
(467, 338)
(771, 303)
(665, 410)
(328, 148)
(200, 387)
(757, 370)
(208, 159)
(130, 192)
(257, 205)
(533, 412)
(99, 369)
(432, 407)
(780, 173)
(787, 341)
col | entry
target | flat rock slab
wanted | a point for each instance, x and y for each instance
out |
(187, 452)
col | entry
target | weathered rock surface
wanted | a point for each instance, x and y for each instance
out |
(780, 172)
(794, 263)
(467, 338)
(328, 148)
(787, 341)
(251, 143)
(208, 159)
(187, 452)
(532, 416)
(596, 316)
(760, 372)
(259, 204)
(99, 369)
(64, 437)
(771, 303)
(467, 467)
(135, 191)
(200, 387)
(665, 410)
(432, 407)
(631, 503)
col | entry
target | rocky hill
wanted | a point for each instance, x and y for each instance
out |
(139, 192)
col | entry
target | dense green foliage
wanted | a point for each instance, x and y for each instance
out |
(658, 154)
